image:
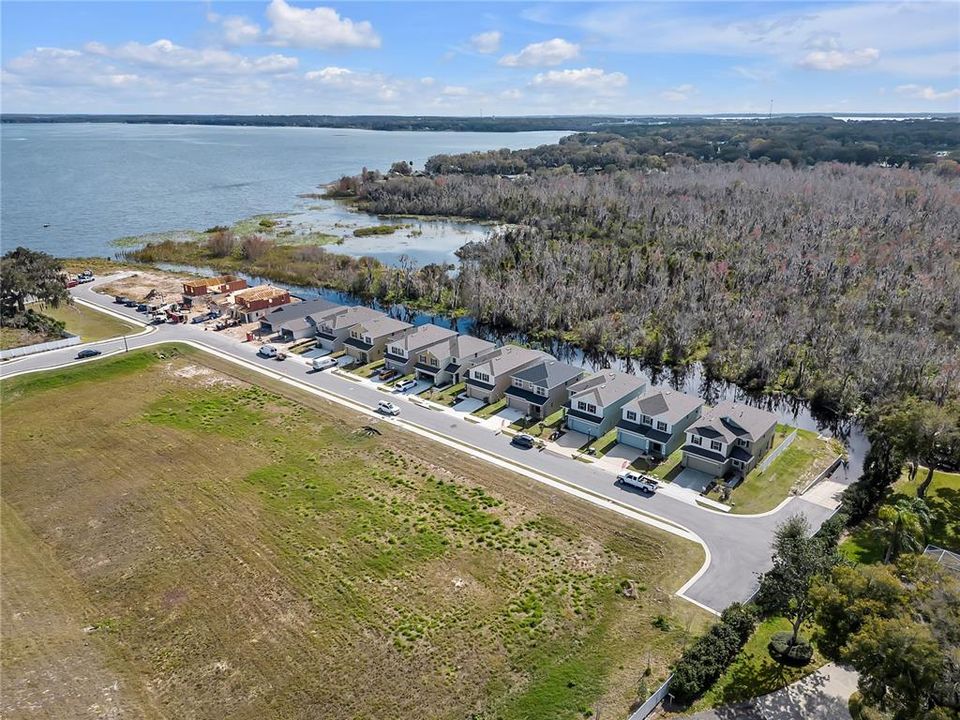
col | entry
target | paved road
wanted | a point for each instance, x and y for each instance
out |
(738, 545)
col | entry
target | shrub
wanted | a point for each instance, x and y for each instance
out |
(782, 651)
(709, 656)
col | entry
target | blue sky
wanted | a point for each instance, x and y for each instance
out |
(460, 58)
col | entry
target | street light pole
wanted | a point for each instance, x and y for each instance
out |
(125, 348)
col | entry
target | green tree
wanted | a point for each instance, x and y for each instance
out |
(798, 558)
(902, 526)
(27, 273)
(926, 434)
(900, 664)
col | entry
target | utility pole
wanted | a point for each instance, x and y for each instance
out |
(125, 348)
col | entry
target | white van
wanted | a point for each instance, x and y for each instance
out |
(267, 351)
(322, 363)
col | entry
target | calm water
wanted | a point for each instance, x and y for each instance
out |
(92, 183)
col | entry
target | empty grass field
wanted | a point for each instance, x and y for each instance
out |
(179, 542)
(90, 325)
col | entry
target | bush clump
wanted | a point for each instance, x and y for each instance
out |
(706, 659)
(784, 652)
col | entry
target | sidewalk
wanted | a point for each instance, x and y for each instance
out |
(822, 695)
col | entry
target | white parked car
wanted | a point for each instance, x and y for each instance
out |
(387, 408)
(644, 483)
(322, 363)
(267, 351)
(405, 385)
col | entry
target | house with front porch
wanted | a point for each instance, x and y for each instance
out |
(333, 328)
(656, 421)
(368, 339)
(595, 402)
(402, 353)
(540, 389)
(730, 438)
(490, 375)
(447, 362)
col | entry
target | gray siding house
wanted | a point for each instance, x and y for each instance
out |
(655, 422)
(447, 362)
(490, 375)
(333, 328)
(275, 320)
(541, 389)
(402, 354)
(595, 402)
(368, 339)
(730, 437)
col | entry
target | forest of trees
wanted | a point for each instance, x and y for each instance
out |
(836, 283)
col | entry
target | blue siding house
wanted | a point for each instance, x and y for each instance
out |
(595, 402)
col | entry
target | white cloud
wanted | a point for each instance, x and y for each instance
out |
(830, 60)
(428, 81)
(543, 54)
(319, 28)
(593, 79)
(237, 30)
(512, 94)
(679, 93)
(928, 93)
(455, 91)
(486, 42)
(168, 55)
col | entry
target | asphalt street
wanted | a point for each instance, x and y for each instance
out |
(738, 545)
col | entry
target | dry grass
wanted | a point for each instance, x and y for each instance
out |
(248, 555)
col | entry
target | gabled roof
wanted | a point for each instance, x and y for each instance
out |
(380, 326)
(606, 387)
(460, 346)
(260, 292)
(299, 323)
(504, 360)
(666, 405)
(349, 317)
(549, 373)
(730, 421)
(285, 313)
(423, 336)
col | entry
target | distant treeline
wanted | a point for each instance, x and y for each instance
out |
(799, 139)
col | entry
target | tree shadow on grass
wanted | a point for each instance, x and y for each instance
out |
(757, 675)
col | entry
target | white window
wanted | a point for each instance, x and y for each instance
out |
(542, 391)
(581, 405)
(646, 420)
(517, 382)
(716, 445)
(661, 425)
(737, 463)
(631, 416)
(434, 362)
(742, 443)
(368, 340)
(592, 409)
(696, 440)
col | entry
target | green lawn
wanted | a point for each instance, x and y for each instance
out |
(90, 325)
(491, 409)
(753, 672)
(537, 428)
(806, 458)
(604, 444)
(244, 550)
(369, 369)
(943, 497)
(665, 471)
(447, 396)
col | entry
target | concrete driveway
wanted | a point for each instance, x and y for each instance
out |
(469, 405)
(739, 545)
(416, 389)
(622, 454)
(693, 479)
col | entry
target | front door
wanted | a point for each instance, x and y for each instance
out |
(534, 411)
(656, 448)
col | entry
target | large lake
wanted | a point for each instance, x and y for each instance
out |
(70, 189)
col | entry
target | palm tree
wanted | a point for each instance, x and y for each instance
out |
(902, 526)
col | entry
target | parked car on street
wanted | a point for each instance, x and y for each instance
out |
(322, 363)
(267, 351)
(142, 307)
(88, 353)
(131, 303)
(523, 440)
(387, 408)
(405, 385)
(281, 355)
(644, 483)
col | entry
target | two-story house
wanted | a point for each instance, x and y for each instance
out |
(731, 436)
(655, 422)
(253, 303)
(447, 362)
(490, 375)
(402, 354)
(368, 339)
(595, 402)
(541, 389)
(333, 328)
(285, 317)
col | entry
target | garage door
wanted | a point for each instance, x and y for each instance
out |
(702, 465)
(588, 428)
(628, 438)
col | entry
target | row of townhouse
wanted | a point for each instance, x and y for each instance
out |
(730, 438)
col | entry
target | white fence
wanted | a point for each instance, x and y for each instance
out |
(651, 702)
(787, 442)
(39, 347)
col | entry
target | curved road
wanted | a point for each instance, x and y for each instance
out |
(738, 546)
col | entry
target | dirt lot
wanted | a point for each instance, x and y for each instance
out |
(180, 543)
(140, 284)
